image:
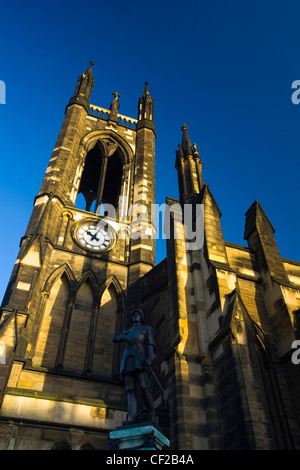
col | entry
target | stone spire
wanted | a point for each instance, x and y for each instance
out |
(186, 143)
(84, 88)
(146, 107)
(189, 167)
(89, 70)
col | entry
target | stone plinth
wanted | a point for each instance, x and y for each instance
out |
(137, 437)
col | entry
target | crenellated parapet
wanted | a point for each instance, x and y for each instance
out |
(102, 113)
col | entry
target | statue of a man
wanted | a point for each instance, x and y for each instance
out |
(139, 353)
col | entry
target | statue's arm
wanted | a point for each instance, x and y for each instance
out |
(120, 337)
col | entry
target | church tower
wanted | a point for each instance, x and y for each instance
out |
(88, 241)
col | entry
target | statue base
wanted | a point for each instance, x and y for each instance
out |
(140, 436)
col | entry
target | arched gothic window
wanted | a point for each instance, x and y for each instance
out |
(102, 176)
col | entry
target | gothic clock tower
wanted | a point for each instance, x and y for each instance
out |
(89, 240)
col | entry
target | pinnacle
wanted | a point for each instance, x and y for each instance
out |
(146, 90)
(89, 69)
(186, 143)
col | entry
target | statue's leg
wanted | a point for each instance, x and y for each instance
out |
(130, 383)
(147, 394)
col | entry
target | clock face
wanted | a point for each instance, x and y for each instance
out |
(94, 236)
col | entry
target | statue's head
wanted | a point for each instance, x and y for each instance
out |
(137, 315)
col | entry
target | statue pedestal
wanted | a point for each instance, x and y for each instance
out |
(143, 436)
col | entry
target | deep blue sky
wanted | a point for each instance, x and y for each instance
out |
(224, 68)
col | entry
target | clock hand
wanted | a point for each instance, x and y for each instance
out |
(93, 237)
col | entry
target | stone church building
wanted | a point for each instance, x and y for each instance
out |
(225, 317)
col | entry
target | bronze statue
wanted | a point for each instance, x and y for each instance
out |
(138, 355)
